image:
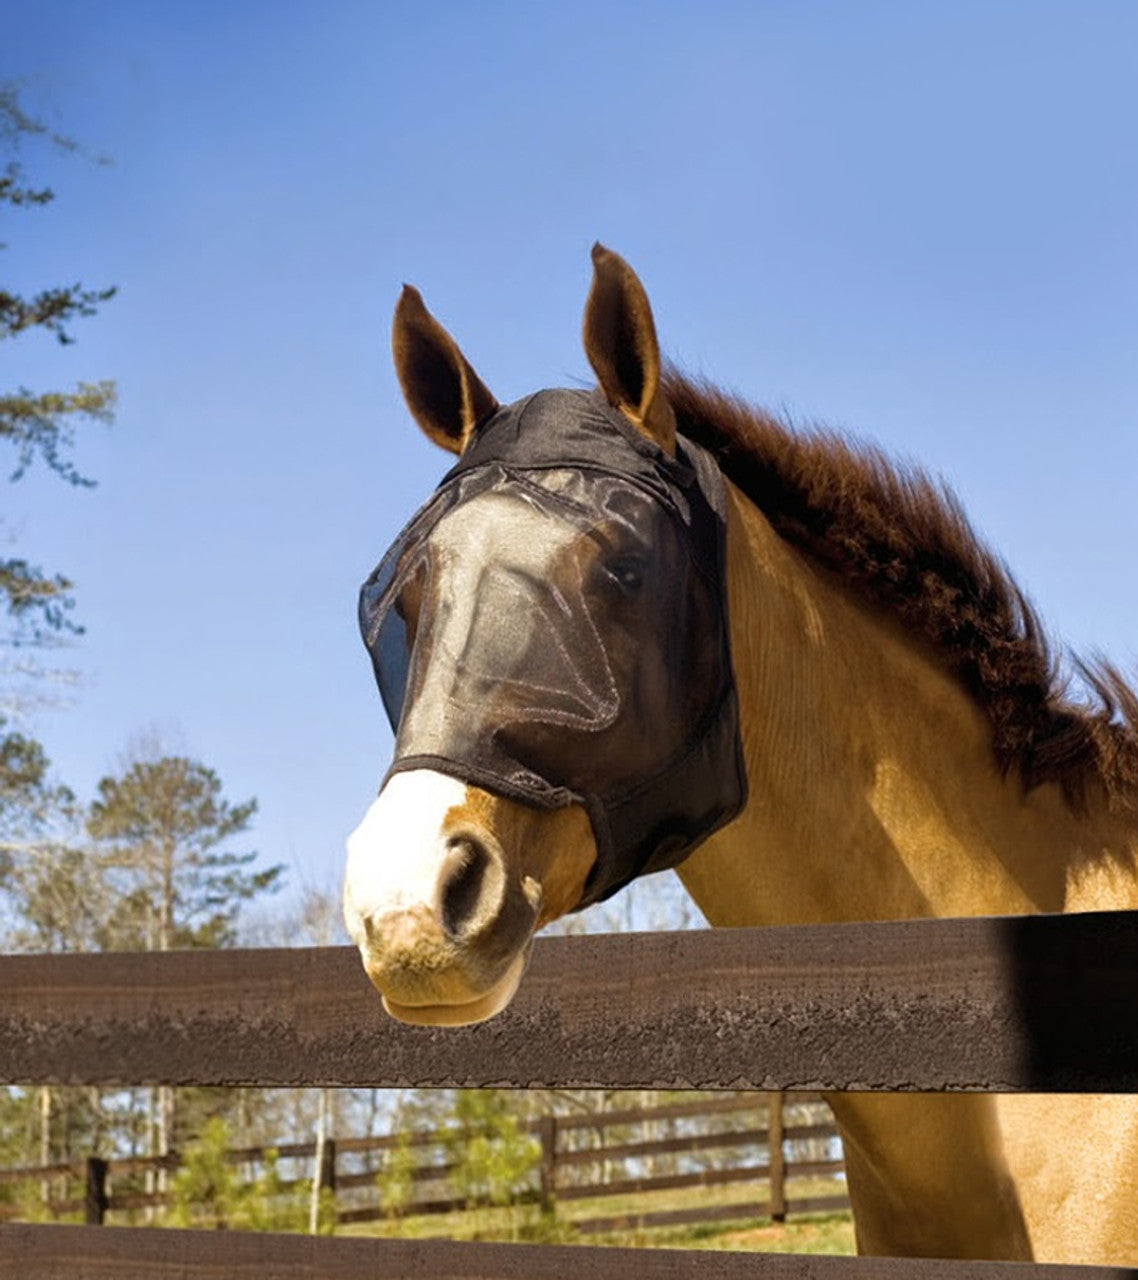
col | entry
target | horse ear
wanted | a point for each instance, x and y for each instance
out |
(446, 397)
(620, 341)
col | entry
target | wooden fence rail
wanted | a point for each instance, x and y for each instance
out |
(1037, 1004)
(123, 1253)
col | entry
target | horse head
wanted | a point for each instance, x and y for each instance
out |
(549, 635)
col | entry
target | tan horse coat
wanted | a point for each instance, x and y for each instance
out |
(874, 795)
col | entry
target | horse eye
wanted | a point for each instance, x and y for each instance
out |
(627, 573)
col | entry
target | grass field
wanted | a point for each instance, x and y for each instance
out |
(830, 1233)
(819, 1233)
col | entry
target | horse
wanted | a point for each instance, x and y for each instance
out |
(878, 730)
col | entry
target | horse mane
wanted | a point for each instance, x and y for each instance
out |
(901, 541)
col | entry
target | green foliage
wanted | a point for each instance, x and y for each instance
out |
(17, 1129)
(208, 1191)
(12, 193)
(49, 896)
(159, 875)
(198, 1107)
(49, 309)
(325, 1211)
(43, 425)
(23, 768)
(31, 806)
(395, 1180)
(37, 425)
(15, 123)
(162, 826)
(36, 599)
(75, 1129)
(171, 797)
(61, 899)
(493, 1158)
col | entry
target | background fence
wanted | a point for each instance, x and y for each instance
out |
(765, 1146)
(1032, 1004)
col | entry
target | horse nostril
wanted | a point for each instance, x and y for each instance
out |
(462, 886)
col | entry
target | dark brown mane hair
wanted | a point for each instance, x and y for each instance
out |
(901, 541)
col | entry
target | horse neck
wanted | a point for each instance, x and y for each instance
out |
(874, 791)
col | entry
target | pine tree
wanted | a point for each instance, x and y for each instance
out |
(163, 829)
(38, 425)
(41, 423)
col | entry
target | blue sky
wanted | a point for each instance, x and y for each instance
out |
(918, 223)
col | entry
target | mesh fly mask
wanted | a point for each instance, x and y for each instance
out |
(552, 626)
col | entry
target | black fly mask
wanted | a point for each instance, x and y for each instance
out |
(552, 626)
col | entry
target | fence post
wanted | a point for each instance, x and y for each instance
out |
(547, 1131)
(776, 1161)
(95, 1197)
(328, 1166)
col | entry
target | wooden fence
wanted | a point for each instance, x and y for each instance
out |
(1036, 1004)
(737, 1140)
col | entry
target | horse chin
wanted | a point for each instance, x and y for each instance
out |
(479, 1009)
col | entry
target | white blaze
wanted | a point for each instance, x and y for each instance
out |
(396, 854)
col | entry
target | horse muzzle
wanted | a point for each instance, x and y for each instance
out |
(443, 923)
